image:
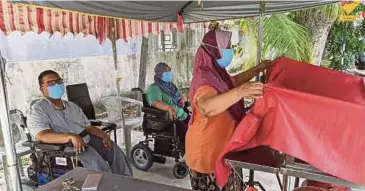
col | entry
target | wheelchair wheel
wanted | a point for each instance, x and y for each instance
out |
(180, 170)
(142, 157)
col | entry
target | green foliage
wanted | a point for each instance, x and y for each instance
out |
(330, 11)
(352, 34)
(284, 37)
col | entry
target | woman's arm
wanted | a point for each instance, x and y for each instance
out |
(244, 77)
(212, 104)
(165, 107)
(161, 105)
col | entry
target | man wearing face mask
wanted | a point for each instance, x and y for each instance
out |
(164, 95)
(56, 121)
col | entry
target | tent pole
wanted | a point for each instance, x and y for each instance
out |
(11, 170)
(115, 57)
(260, 35)
(343, 49)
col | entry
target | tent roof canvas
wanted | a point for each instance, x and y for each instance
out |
(166, 11)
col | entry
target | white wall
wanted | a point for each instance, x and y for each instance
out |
(81, 59)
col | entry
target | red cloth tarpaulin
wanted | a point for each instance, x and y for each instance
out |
(312, 113)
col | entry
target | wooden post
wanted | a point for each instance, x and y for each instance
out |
(143, 64)
(114, 48)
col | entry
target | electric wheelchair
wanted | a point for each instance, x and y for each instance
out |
(161, 131)
(49, 161)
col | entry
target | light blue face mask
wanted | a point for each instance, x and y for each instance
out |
(167, 76)
(227, 56)
(56, 91)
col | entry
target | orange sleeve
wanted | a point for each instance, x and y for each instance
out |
(203, 91)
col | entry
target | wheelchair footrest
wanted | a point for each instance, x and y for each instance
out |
(159, 159)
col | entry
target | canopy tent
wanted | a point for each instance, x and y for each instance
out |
(25, 18)
(191, 11)
(159, 11)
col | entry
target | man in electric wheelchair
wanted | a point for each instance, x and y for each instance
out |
(52, 120)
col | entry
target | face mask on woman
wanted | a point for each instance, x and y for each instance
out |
(167, 76)
(56, 91)
(226, 57)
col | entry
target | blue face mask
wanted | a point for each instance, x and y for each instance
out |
(167, 76)
(227, 56)
(56, 91)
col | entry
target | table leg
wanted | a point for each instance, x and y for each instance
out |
(285, 183)
(127, 140)
(279, 181)
(296, 183)
(115, 135)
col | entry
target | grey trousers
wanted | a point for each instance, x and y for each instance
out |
(95, 157)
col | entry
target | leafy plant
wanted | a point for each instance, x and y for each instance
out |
(330, 11)
(282, 37)
(349, 33)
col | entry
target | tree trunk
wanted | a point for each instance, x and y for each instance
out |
(318, 26)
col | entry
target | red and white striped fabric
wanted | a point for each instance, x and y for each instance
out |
(26, 18)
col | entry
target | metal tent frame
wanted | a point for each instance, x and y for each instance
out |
(209, 10)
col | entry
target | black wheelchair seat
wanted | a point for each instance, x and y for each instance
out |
(154, 111)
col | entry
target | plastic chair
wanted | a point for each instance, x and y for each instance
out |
(116, 108)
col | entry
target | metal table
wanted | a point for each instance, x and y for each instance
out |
(109, 182)
(255, 159)
(300, 170)
(258, 159)
(262, 159)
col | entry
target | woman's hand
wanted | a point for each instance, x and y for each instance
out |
(182, 101)
(251, 90)
(172, 113)
(264, 65)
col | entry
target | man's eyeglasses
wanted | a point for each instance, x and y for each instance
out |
(54, 82)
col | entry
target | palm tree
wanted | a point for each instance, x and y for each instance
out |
(318, 22)
(300, 35)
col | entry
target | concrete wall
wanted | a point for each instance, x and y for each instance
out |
(27, 58)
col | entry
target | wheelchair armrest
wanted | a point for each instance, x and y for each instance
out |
(49, 147)
(46, 146)
(154, 111)
(28, 144)
(95, 122)
(108, 127)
